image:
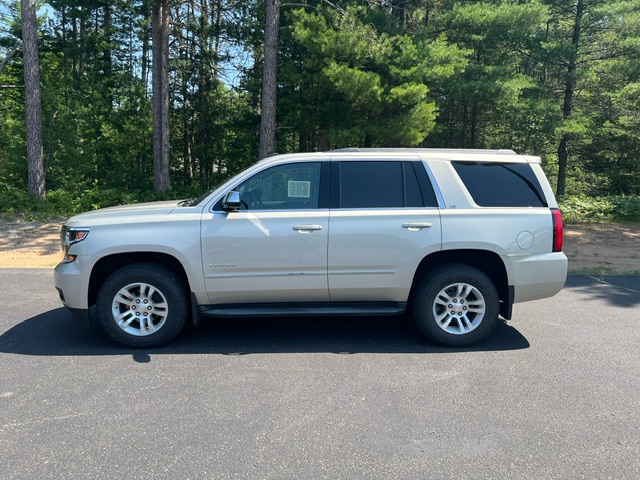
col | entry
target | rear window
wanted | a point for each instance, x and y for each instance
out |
(501, 184)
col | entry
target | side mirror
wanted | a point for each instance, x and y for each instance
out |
(231, 202)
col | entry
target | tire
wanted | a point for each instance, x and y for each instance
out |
(456, 305)
(155, 288)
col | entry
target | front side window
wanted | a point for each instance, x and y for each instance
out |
(284, 187)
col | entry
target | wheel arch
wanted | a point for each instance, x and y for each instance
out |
(110, 263)
(490, 263)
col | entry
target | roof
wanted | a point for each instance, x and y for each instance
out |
(445, 154)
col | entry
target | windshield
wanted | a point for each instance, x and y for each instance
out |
(203, 197)
(197, 200)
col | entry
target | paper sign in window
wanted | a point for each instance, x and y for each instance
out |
(299, 189)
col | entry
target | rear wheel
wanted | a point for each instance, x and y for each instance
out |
(142, 305)
(456, 305)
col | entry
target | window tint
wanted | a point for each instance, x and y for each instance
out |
(285, 187)
(413, 196)
(416, 170)
(371, 184)
(392, 184)
(501, 184)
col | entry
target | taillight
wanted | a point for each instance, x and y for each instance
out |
(557, 229)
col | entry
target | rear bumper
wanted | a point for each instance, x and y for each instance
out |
(538, 276)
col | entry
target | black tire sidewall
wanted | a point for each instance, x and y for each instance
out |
(433, 283)
(166, 281)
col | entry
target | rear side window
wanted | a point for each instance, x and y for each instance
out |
(501, 184)
(371, 185)
(392, 184)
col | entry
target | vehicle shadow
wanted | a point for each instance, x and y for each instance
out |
(617, 290)
(54, 333)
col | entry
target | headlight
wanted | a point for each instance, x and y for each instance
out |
(69, 236)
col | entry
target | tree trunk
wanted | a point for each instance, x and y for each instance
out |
(108, 61)
(270, 79)
(160, 81)
(563, 156)
(33, 104)
(145, 49)
(107, 25)
(398, 8)
(567, 108)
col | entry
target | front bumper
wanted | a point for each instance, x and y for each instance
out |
(72, 285)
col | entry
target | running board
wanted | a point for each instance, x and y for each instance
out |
(303, 309)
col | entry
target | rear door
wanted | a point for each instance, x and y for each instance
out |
(384, 220)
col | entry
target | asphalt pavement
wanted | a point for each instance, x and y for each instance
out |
(552, 394)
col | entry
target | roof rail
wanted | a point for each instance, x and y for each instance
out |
(502, 151)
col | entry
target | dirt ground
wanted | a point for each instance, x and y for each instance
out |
(598, 248)
(593, 248)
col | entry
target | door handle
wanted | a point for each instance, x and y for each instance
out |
(306, 228)
(414, 227)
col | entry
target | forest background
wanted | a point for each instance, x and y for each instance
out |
(555, 78)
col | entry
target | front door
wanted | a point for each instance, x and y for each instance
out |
(274, 249)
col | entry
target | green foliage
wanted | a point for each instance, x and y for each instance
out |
(65, 203)
(489, 74)
(594, 209)
(376, 78)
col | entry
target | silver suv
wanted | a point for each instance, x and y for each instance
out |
(454, 236)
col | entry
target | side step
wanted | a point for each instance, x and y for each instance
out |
(303, 309)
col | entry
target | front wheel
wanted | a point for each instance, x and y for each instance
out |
(456, 305)
(142, 305)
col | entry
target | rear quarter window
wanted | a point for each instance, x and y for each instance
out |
(501, 184)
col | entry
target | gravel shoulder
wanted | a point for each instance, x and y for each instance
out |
(592, 248)
(30, 243)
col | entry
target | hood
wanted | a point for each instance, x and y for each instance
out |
(132, 213)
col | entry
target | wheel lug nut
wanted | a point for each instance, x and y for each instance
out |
(138, 301)
(459, 313)
(148, 308)
(450, 306)
(464, 308)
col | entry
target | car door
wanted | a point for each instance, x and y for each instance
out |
(274, 248)
(384, 220)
